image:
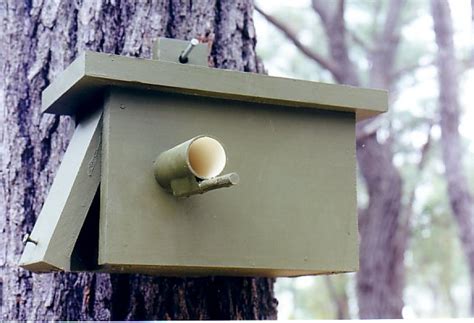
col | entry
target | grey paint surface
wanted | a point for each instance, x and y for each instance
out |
(92, 72)
(68, 201)
(293, 212)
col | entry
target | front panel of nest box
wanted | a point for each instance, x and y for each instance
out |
(292, 213)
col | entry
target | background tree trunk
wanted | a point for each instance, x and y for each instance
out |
(383, 233)
(460, 198)
(38, 41)
(383, 230)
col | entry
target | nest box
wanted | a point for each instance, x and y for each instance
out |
(176, 168)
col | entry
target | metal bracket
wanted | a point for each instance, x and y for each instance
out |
(179, 51)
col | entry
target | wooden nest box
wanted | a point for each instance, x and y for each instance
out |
(178, 169)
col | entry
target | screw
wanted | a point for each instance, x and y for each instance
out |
(27, 238)
(183, 58)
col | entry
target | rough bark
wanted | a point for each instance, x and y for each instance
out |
(460, 198)
(39, 39)
(383, 230)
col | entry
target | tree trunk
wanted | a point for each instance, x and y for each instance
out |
(383, 230)
(460, 198)
(39, 40)
(339, 298)
(381, 276)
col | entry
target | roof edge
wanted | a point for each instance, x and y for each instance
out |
(91, 72)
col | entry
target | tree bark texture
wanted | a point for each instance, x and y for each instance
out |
(460, 198)
(39, 39)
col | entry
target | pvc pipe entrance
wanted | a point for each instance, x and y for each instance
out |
(206, 157)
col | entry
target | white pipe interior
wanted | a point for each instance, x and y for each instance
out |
(206, 157)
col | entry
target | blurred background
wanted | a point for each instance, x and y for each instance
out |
(416, 165)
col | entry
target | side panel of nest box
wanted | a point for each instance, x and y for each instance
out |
(64, 212)
(293, 212)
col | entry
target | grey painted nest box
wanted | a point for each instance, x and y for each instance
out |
(179, 169)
